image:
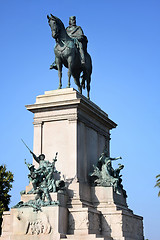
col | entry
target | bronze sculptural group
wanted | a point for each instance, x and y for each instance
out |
(71, 51)
(105, 175)
(45, 180)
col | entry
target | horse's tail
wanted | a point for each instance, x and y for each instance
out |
(88, 63)
(88, 68)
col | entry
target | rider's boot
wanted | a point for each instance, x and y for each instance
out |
(53, 66)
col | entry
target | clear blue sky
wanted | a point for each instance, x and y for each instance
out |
(124, 42)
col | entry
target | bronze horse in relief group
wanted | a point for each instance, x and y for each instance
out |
(67, 54)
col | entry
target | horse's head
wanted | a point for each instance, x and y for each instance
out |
(56, 25)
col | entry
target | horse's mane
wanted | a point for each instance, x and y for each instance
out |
(60, 23)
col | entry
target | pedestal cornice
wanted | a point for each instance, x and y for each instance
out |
(69, 98)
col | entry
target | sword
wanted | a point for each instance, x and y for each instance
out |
(26, 145)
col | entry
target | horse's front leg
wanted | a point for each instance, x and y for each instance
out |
(59, 66)
(69, 72)
(69, 78)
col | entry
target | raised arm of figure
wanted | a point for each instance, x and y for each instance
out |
(115, 158)
(35, 157)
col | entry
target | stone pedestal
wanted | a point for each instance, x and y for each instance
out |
(6, 226)
(103, 197)
(60, 197)
(117, 221)
(68, 123)
(25, 223)
(49, 224)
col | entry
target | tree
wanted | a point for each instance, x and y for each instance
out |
(158, 183)
(6, 178)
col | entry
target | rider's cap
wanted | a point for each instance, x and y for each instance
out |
(72, 18)
(42, 155)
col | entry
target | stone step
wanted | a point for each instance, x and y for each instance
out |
(85, 237)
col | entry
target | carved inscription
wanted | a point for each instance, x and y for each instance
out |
(38, 227)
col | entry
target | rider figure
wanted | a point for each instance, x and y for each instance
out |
(81, 41)
(76, 32)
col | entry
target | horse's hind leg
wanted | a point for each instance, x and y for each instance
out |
(80, 89)
(70, 62)
(77, 82)
(88, 86)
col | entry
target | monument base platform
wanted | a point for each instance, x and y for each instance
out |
(99, 217)
(68, 123)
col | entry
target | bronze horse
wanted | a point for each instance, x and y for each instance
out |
(67, 54)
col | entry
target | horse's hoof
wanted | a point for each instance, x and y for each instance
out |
(68, 86)
(80, 90)
(60, 87)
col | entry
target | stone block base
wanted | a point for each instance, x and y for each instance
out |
(104, 197)
(60, 197)
(26, 224)
(85, 237)
(84, 221)
(102, 215)
(117, 220)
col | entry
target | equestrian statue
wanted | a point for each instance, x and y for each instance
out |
(71, 51)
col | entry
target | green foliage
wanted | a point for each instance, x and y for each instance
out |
(6, 178)
(158, 183)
